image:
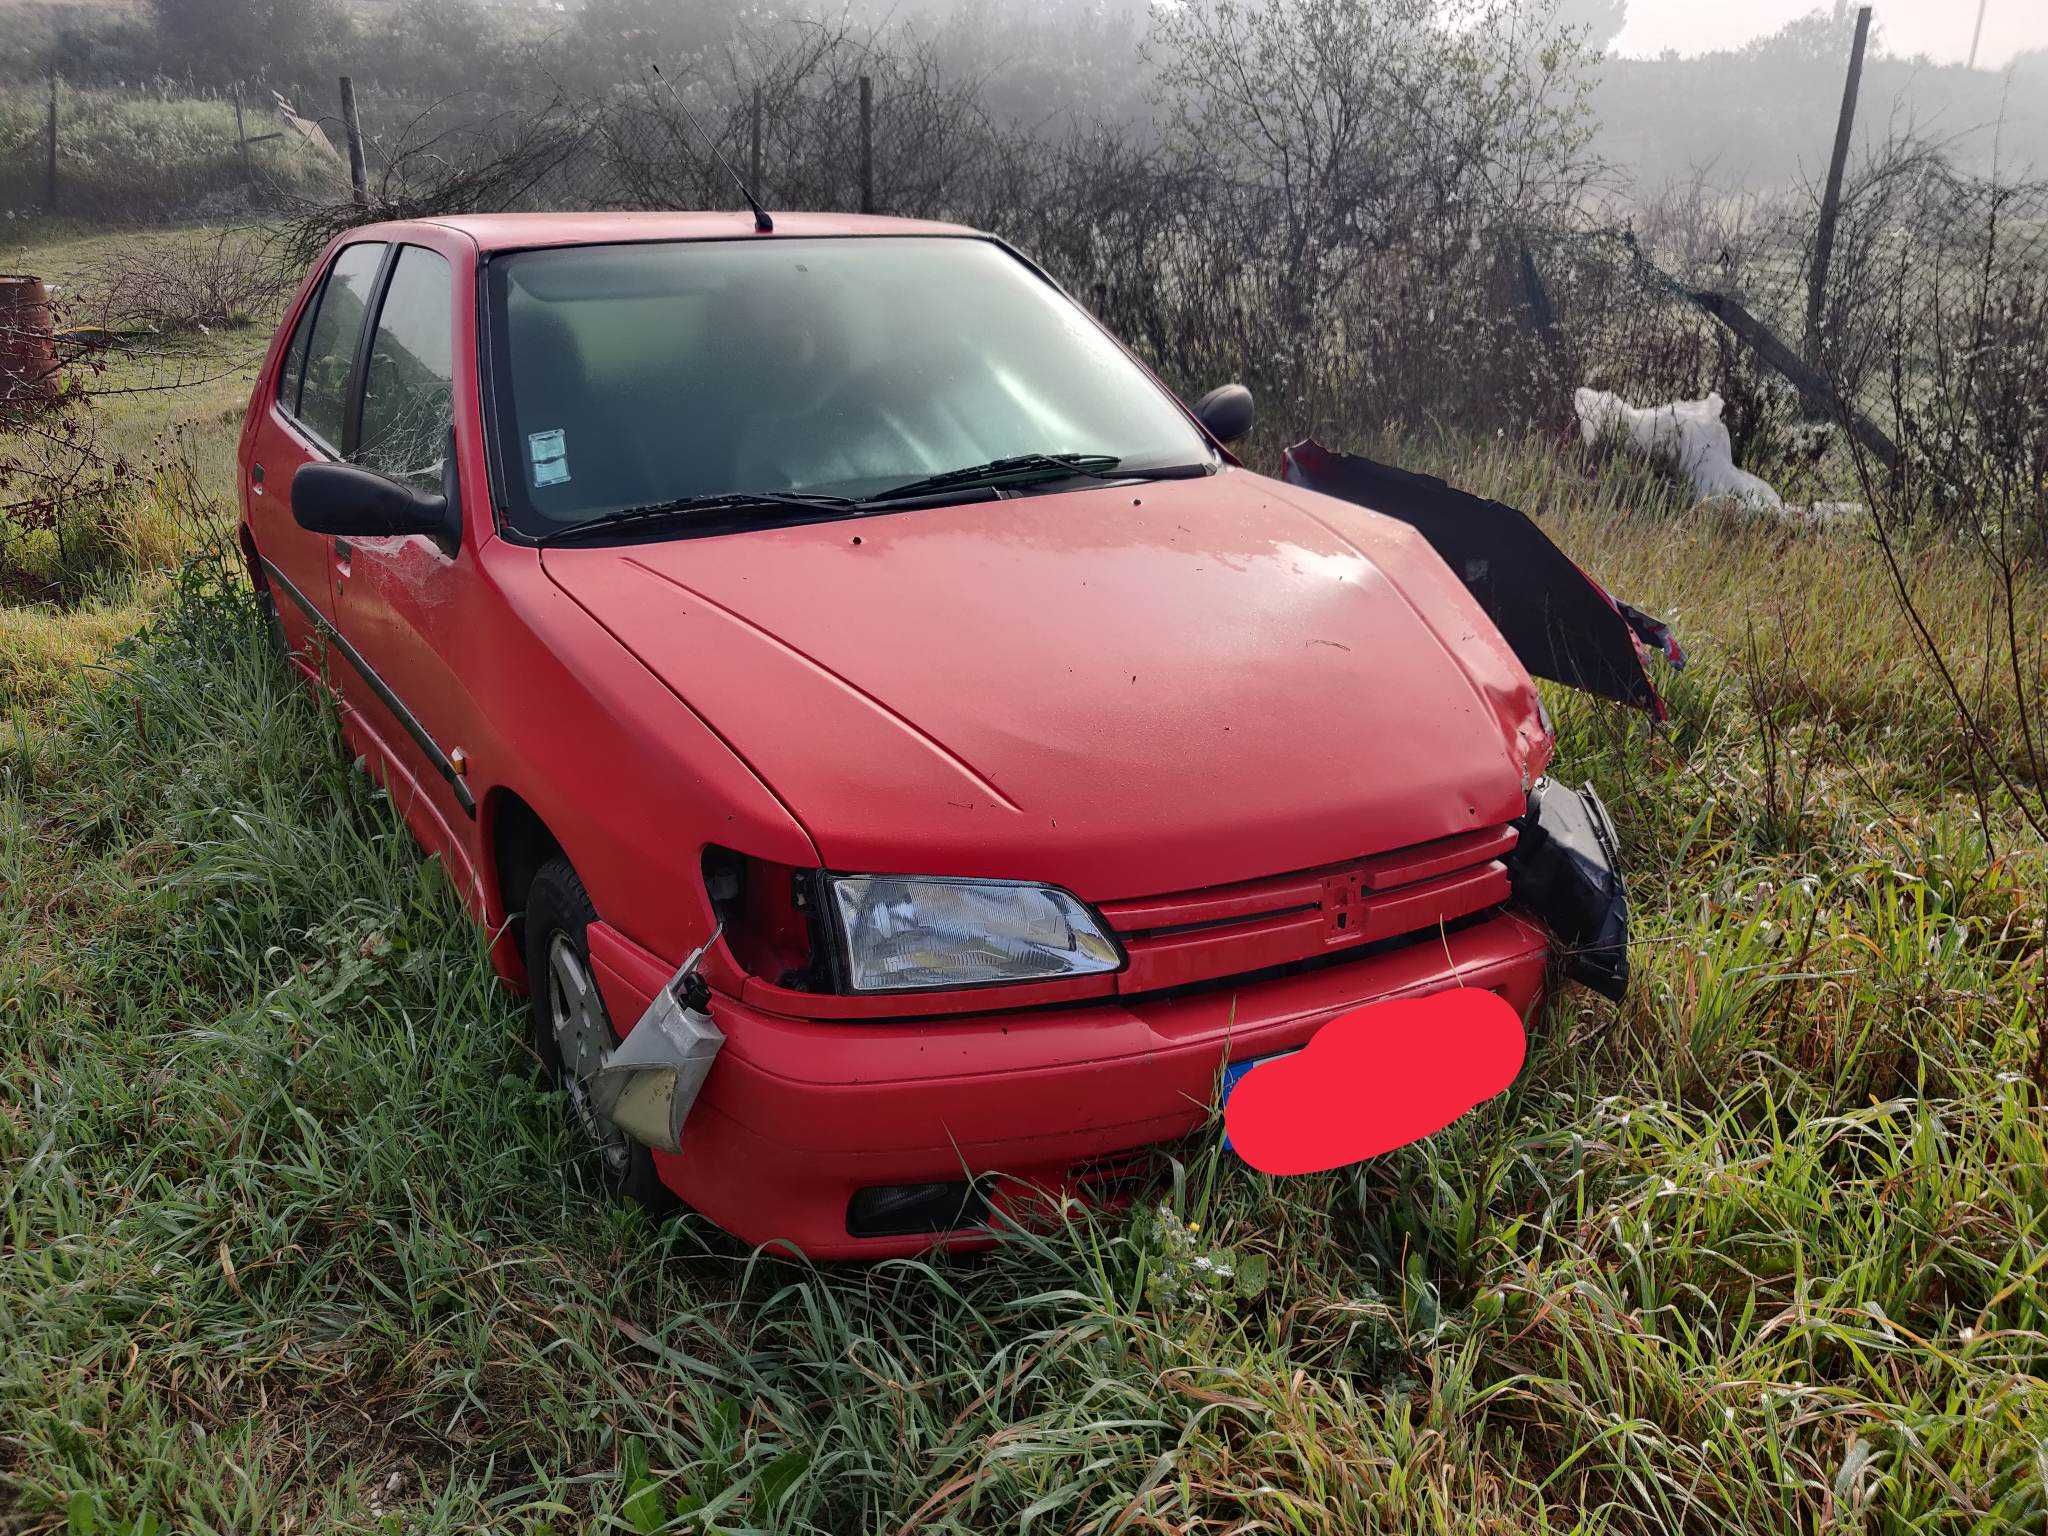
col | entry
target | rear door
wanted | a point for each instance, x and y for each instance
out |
(304, 419)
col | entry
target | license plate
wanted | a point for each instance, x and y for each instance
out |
(1235, 1074)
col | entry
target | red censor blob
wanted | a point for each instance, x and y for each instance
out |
(1375, 1079)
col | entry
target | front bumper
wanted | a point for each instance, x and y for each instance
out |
(802, 1114)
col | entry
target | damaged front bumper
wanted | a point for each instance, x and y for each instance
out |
(1566, 871)
(649, 1083)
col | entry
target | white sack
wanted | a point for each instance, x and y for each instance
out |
(1689, 435)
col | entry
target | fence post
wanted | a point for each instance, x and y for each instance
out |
(50, 168)
(754, 161)
(358, 178)
(867, 145)
(1831, 198)
(241, 133)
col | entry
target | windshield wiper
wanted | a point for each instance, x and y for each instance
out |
(1018, 469)
(694, 506)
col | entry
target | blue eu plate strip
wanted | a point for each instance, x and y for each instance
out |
(1234, 1074)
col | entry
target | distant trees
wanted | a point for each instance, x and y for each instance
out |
(1593, 24)
(216, 42)
(1353, 128)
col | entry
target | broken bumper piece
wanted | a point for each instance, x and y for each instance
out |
(1566, 871)
(648, 1085)
(1561, 622)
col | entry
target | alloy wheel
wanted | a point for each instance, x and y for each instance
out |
(582, 1037)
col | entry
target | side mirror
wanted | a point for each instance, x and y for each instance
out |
(354, 503)
(1226, 411)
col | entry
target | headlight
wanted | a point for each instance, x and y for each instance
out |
(902, 933)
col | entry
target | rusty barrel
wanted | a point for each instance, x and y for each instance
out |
(28, 348)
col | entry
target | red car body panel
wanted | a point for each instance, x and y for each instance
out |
(1022, 690)
(1185, 701)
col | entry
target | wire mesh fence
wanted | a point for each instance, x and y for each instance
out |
(1477, 307)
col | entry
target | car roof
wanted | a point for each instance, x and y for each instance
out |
(519, 231)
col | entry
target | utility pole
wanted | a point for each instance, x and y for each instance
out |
(1977, 36)
(1831, 198)
(358, 177)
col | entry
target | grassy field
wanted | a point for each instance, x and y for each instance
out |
(68, 593)
(138, 154)
(293, 1241)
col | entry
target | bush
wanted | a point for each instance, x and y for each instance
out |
(169, 285)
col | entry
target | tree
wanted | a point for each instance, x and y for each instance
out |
(1592, 24)
(1346, 128)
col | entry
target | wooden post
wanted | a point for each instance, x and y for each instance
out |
(1831, 197)
(358, 178)
(867, 145)
(754, 161)
(241, 133)
(50, 168)
(1816, 390)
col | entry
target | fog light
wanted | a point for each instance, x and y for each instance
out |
(905, 1210)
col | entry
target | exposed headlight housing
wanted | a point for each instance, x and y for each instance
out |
(900, 934)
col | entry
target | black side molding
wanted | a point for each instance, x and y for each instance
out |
(1561, 622)
(1566, 870)
(406, 719)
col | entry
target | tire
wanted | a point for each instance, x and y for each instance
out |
(571, 1029)
(273, 628)
(266, 608)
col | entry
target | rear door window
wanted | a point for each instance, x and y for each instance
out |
(409, 378)
(293, 373)
(336, 337)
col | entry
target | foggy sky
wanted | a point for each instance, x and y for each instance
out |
(1938, 28)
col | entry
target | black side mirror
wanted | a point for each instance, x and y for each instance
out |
(354, 503)
(1226, 411)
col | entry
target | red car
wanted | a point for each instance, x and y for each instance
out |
(845, 596)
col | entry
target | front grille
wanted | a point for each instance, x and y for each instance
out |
(1173, 941)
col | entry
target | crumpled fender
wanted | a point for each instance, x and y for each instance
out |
(1566, 869)
(1560, 622)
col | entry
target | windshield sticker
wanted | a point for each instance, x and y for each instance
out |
(549, 454)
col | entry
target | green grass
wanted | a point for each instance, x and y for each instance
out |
(169, 408)
(293, 1241)
(130, 155)
(287, 1217)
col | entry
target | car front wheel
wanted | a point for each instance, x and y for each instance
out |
(571, 1029)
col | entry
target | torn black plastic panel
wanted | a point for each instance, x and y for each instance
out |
(1566, 871)
(1561, 622)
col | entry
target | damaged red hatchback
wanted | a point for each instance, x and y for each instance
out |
(842, 601)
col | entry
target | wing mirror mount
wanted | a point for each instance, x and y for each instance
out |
(348, 502)
(1226, 411)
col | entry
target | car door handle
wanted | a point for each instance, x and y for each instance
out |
(342, 550)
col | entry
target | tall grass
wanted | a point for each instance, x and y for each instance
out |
(293, 1241)
(128, 156)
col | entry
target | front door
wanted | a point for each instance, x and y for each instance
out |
(399, 603)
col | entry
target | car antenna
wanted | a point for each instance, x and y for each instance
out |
(762, 223)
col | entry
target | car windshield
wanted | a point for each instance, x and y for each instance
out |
(632, 375)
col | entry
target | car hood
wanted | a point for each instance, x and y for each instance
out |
(1128, 690)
